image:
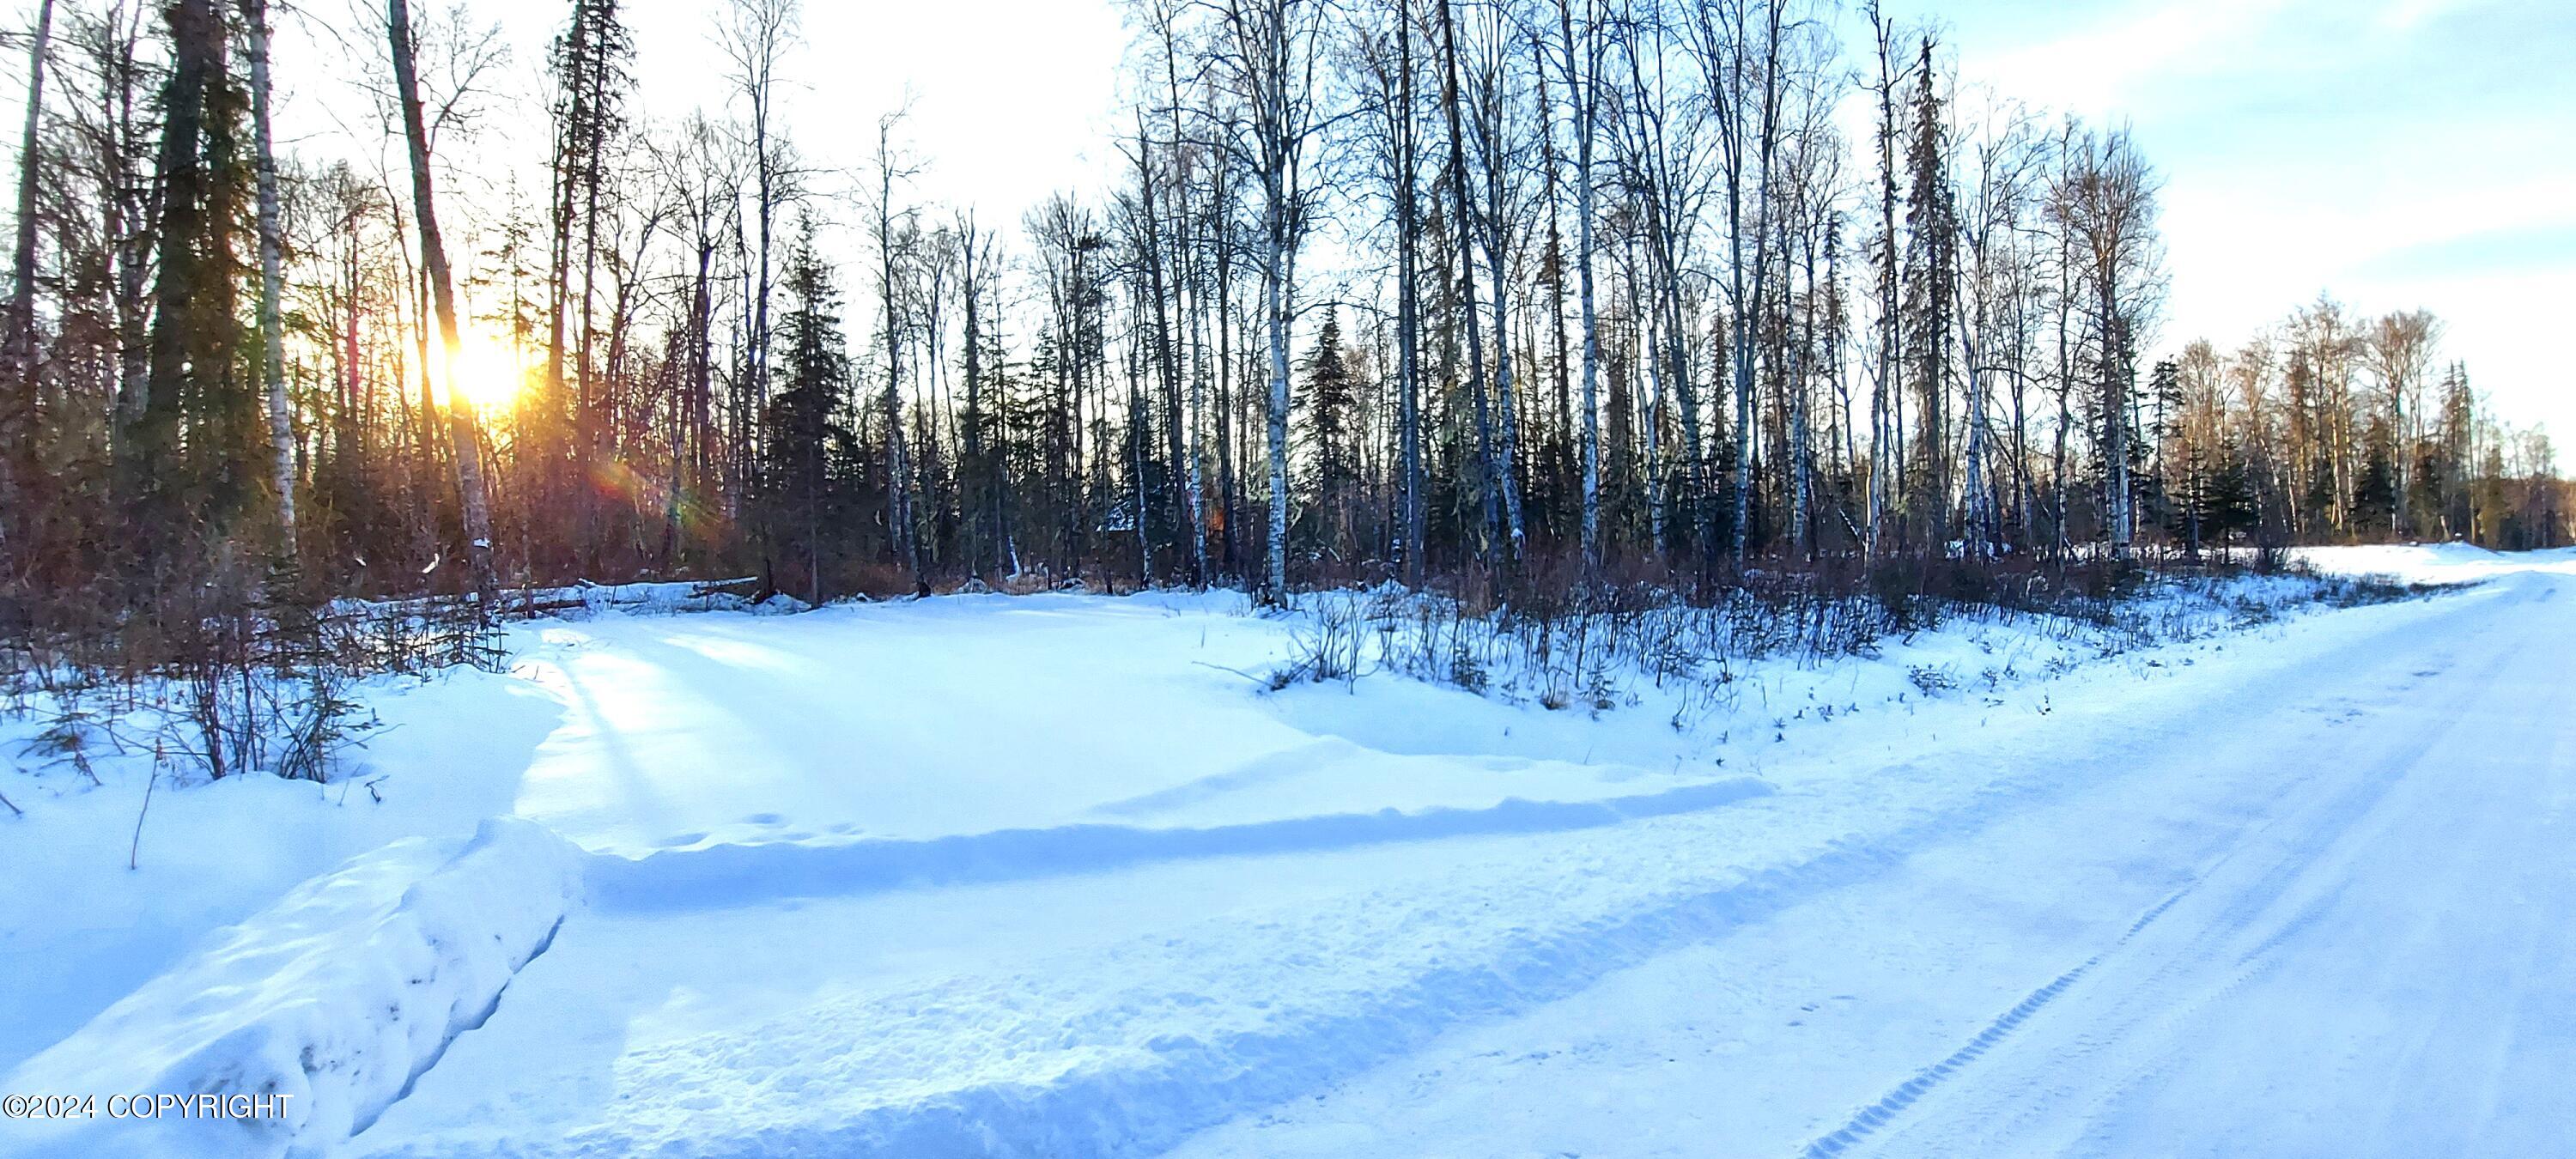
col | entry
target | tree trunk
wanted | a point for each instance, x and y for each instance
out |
(1981, 522)
(1276, 304)
(462, 428)
(1890, 341)
(988, 502)
(898, 459)
(20, 340)
(18, 345)
(1408, 308)
(2115, 417)
(1585, 101)
(1464, 228)
(1167, 362)
(1507, 450)
(181, 278)
(272, 324)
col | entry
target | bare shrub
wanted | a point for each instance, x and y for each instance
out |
(1560, 639)
(235, 671)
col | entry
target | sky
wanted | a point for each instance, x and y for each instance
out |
(2398, 154)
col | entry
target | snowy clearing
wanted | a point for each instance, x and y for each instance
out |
(1059, 875)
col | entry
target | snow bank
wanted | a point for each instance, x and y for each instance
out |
(335, 998)
(80, 929)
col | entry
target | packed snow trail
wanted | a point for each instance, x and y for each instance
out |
(2386, 966)
(1838, 964)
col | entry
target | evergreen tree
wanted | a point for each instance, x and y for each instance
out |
(187, 449)
(1931, 292)
(2233, 504)
(808, 447)
(1329, 403)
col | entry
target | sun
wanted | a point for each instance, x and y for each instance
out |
(492, 371)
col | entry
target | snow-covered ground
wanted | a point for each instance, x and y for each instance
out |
(2434, 563)
(328, 1003)
(1059, 876)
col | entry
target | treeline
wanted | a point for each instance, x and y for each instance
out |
(2338, 428)
(1388, 289)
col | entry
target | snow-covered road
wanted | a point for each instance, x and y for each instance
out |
(2306, 892)
(2383, 963)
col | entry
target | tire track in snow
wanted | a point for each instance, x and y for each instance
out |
(2342, 811)
(1894, 1102)
(2158, 1021)
(2154, 1009)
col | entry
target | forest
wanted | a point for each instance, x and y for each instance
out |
(1678, 290)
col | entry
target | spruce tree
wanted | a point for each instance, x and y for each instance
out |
(1330, 401)
(801, 501)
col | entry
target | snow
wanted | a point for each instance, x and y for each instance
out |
(1062, 875)
(2433, 563)
(732, 874)
(334, 999)
(78, 929)
(1033, 996)
(974, 714)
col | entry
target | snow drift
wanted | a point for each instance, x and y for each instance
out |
(336, 997)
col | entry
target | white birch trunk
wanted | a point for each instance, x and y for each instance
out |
(272, 246)
(1584, 99)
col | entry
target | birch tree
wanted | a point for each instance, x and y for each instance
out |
(1269, 51)
(1580, 57)
(754, 35)
(899, 514)
(272, 276)
(2106, 200)
(1739, 44)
